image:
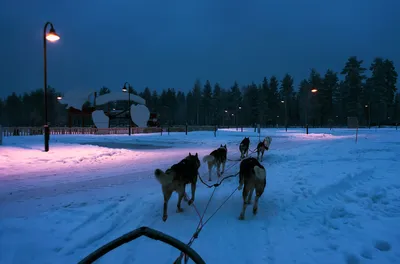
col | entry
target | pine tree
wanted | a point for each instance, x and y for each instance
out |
(264, 96)
(2, 112)
(302, 98)
(207, 102)
(181, 108)
(314, 99)
(328, 88)
(191, 108)
(273, 99)
(353, 83)
(286, 95)
(196, 93)
(396, 109)
(132, 90)
(217, 104)
(154, 102)
(251, 104)
(390, 83)
(146, 95)
(104, 90)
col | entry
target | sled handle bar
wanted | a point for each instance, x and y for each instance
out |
(142, 231)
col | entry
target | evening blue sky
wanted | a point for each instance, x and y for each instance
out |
(162, 44)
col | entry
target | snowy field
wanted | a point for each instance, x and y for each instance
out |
(328, 199)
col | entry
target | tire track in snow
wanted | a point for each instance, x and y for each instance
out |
(311, 207)
(309, 215)
(112, 221)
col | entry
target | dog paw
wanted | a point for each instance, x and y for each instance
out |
(164, 218)
(190, 202)
(255, 210)
(241, 217)
(179, 210)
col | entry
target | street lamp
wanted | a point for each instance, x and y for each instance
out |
(286, 117)
(124, 89)
(309, 92)
(240, 119)
(52, 36)
(369, 114)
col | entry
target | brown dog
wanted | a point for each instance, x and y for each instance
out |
(244, 147)
(216, 158)
(176, 178)
(253, 176)
(263, 146)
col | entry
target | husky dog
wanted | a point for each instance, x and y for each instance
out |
(253, 176)
(176, 178)
(244, 147)
(216, 158)
(262, 146)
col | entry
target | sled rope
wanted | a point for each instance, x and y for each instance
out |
(201, 224)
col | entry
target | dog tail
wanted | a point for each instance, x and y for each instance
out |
(260, 173)
(268, 141)
(163, 178)
(208, 158)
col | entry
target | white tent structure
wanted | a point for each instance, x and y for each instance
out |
(119, 96)
(139, 113)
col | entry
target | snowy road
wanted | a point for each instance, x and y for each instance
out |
(328, 200)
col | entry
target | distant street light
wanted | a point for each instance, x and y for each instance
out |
(309, 93)
(239, 119)
(124, 89)
(52, 36)
(369, 114)
(286, 117)
(59, 97)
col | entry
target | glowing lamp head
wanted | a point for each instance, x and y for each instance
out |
(52, 36)
(124, 89)
(366, 105)
(314, 90)
(240, 107)
(59, 97)
(282, 102)
(226, 111)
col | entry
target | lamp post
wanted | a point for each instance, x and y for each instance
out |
(52, 37)
(309, 92)
(369, 114)
(286, 121)
(124, 89)
(240, 118)
(223, 117)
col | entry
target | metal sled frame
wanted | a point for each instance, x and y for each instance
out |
(142, 231)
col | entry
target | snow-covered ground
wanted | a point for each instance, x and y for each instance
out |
(328, 199)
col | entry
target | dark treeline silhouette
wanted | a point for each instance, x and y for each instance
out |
(373, 100)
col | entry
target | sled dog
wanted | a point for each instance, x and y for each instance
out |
(216, 158)
(252, 176)
(244, 147)
(262, 146)
(176, 178)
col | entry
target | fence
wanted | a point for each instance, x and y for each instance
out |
(31, 131)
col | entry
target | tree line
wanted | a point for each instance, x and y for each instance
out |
(349, 93)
